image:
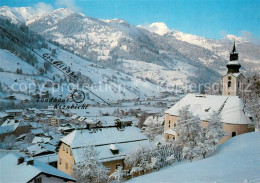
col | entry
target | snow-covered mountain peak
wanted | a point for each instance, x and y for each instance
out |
(63, 11)
(233, 38)
(22, 14)
(157, 27)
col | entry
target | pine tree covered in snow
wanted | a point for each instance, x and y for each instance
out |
(190, 133)
(214, 131)
(251, 97)
(90, 169)
(139, 160)
(152, 130)
(117, 175)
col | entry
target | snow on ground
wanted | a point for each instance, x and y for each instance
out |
(177, 75)
(236, 161)
(9, 62)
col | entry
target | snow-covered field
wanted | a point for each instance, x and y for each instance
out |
(236, 161)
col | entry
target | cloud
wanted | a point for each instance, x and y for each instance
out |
(68, 4)
(157, 27)
(43, 7)
(248, 36)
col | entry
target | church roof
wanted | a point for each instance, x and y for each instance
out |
(231, 107)
(235, 74)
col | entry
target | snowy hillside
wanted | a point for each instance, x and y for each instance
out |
(153, 53)
(108, 42)
(22, 14)
(236, 161)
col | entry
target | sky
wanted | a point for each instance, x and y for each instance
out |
(207, 18)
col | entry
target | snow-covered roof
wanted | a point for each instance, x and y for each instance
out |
(82, 118)
(11, 122)
(37, 131)
(74, 117)
(47, 158)
(82, 138)
(40, 148)
(230, 107)
(113, 147)
(153, 119)
(24, 173)
(2, 114)
(235, 74)
(7, 129)
(36, 125)
(233, 63)
(14, 110)
(170, 131)
(40, 140)
(105, 154)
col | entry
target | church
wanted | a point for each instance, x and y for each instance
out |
(229, 105)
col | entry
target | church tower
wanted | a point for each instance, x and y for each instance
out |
(233, 80)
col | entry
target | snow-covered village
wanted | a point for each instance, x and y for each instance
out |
(129, 91)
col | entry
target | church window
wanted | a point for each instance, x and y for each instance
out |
(234, 134)
(229, 84)
(66, 166)
(229, 77)
(238, 84)
(169, 124)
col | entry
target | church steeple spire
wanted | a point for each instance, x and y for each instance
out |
(233, 65)
(234, 54)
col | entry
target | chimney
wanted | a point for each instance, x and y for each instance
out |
(30, 162)
(20, 160)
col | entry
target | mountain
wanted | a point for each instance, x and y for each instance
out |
(154, 53)
(116, 43)
(24, 73)
(21, 14)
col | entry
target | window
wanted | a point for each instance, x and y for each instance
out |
(60, 161)
(228, 93)
(229, 84)
(63, 147)
(229, 77)
(118, 165)
(174, 125)
(238, 84)
(67, 150)
(234, 134)
(38, 180)
(66, 166)
(70, 152)
(169, 124)
(108, 169)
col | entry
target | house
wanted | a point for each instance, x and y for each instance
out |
(14, 112)
(54, 121)
(229, 105)
(106, 141)
(25, 100)
(10, 97)
(74, 118)
(29, 117)
(40, 149)
(37, 140)
(66, 128)
(35, 125)
(38, 131)
(13, 127)
(154, 119)
(19, 169)
(50, 159)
